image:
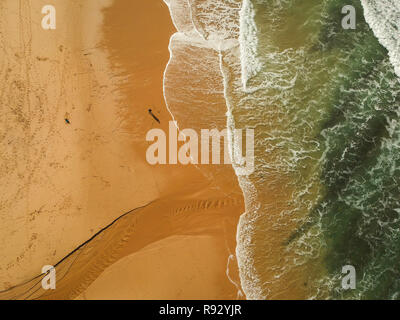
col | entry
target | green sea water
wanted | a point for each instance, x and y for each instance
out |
(359, 213)
(325, 106)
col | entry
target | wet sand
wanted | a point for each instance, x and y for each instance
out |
(64, 184)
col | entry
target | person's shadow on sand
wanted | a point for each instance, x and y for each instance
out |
(152, 114)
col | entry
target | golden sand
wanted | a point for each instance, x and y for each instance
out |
(81, 196)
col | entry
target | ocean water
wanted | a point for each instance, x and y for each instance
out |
(324, 104)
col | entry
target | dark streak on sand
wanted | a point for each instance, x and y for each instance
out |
(152, 114)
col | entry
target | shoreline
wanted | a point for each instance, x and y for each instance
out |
(188, 205)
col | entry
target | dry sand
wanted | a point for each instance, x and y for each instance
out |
(64, 186)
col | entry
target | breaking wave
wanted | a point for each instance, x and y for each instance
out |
(324, 104)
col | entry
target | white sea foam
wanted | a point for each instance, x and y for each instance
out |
(229, 28)
(216, 25)
(248, 43)
(248, 277)
(181, 15)
(384, 19)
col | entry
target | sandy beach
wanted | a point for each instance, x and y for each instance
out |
(80, 195)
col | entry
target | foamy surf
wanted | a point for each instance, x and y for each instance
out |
(205, 29)
(269, 82)
(384, 19)
(227, 28)
(248, 43)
